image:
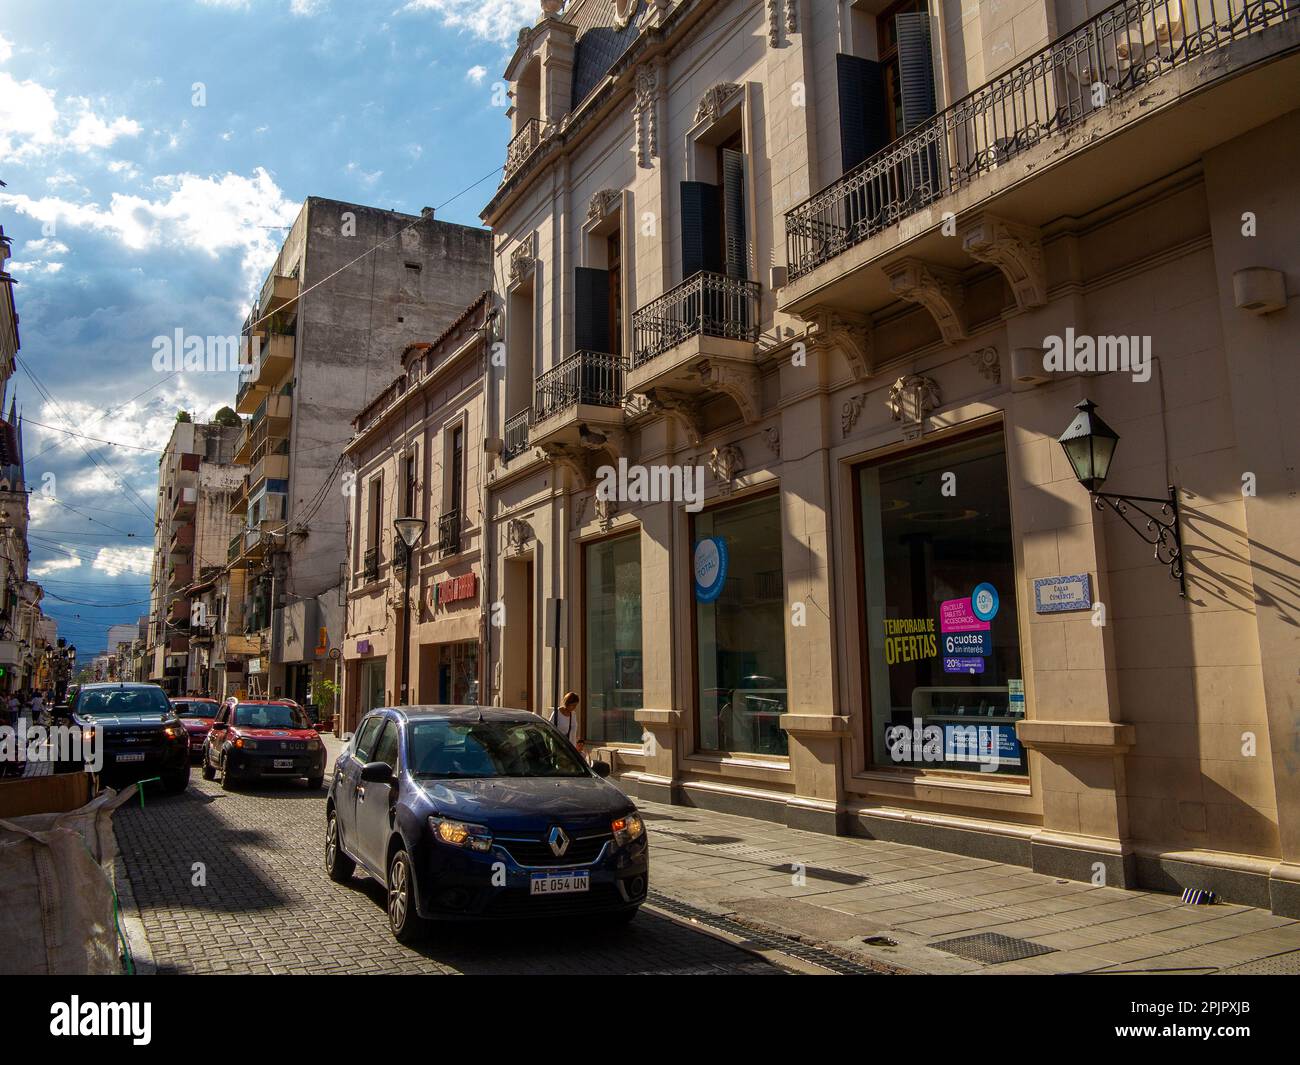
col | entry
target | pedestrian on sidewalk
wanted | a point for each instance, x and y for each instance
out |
(567, 718)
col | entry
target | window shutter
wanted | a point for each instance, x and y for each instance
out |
(915, 68)
(863, 128)
(701, 228)
(733, 204)
(591, 309)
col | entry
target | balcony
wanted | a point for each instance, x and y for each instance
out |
(370, 565)
(250, 396)
(277, 293)
(183, 504)
(275, 411)
(179, 612)
(239, 502)
(235, 549)
(182, 541)
(521, 146)
(583, 391)
(1072, 110)
(274, 360)
(682, 340)
(516, 435)
(449, 532)
(180, 574)
(273, 466)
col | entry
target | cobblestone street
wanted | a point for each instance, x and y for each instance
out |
(266, 905)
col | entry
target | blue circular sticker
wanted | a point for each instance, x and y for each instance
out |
(710, 568)
(984, 602)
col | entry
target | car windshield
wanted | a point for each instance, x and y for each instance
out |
(208, 710)
(123, 702)
(464, 749)
(269, 715)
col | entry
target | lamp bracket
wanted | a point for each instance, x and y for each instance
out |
(1158, 526)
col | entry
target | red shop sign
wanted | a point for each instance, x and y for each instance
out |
(455, 589)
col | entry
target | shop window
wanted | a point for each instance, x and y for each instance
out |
(943, 668)
(740, 627)
(612, 627)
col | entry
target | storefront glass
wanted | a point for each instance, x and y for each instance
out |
(612, 597)
(943, 651)
(739, 593)
(458, 673)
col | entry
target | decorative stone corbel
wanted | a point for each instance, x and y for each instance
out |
(725, 463)
(935, 288)
(518, 533)
(605, 511)
(578, 460)
(683, 409)
(851, 411)
(523, 259)
(847, 331)
(1015, 250)
(645, 121)
(772, 437)
(715, 101)
(602, 204)
(738, 380)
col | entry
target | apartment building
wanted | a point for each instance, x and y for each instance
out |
(9, 338)
(414, 628)
(351, 287)
(197, 481)
(853, 270)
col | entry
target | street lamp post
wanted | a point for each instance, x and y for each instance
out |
(1089, 444)
(410, 530)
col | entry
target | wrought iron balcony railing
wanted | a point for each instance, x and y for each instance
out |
(516, 435)
(449, 532)
(706, 304)
(521, 146)
(592, 377)
(1105, 59)
(370, 565)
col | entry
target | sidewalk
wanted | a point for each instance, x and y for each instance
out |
(909, 900)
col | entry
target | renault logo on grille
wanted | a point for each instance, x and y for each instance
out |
(558, 840)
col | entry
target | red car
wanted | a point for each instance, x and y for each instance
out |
(196, 715)
(260, 738)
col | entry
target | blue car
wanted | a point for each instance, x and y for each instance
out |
(479, 813)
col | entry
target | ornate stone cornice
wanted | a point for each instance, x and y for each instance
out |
(1015, 250)
(846, 331)
(935, 288)
(740, 381)
(714, 102)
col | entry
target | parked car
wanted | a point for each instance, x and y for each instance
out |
(141, 735)
(260, 738)
(197, 716)
(469, 812)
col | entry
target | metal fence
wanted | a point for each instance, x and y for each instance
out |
(1107, 58)
(370, 564)
(516, 435)
(521, 146)
(593, 377)
(705, 304)
(449, 532)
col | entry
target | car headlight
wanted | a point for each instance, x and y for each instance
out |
(313, 745)
(628, 828)
(174, 732)
(248, 745)
(460, 834)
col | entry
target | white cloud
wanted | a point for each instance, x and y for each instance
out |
(369, 178)
(118, 560)
(199, 214)
(229, 5)
(33, 123)
(6, 49)
(306, 8)
(45, 246)
(492, 20)
(56, 565)
(35, 266)
(476, 74)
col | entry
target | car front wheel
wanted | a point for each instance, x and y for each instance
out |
(407, 926)
(208, 772)
(227, 776)
(337, 864)
(174, 783)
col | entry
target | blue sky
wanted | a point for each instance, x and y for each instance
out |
(139, 204)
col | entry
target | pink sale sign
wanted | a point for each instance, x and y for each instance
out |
(956, 615)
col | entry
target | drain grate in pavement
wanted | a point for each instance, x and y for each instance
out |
(992, 948)
(766, 940)
(1279, 965)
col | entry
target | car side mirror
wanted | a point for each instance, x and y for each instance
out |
(377, 773)
(218, 726)
(601, 769)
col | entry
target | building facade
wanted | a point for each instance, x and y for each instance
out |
(822, 284)
(197, 481)
(351, 287)
(418, 453)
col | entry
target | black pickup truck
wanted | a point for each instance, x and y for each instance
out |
(140, 735)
